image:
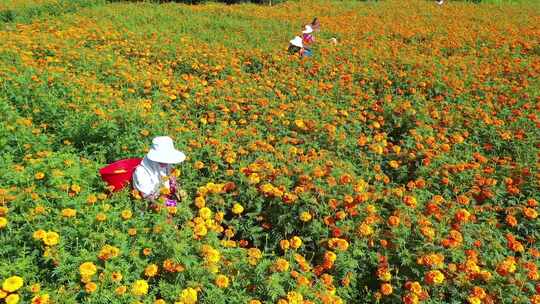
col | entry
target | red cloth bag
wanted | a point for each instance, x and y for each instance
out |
(119, 173)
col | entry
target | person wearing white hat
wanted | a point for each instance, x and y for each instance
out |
(307, 37)
(154, 172)
(296, 46)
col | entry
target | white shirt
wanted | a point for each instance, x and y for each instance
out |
(149, 177)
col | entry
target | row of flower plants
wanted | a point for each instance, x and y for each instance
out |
(400, 166)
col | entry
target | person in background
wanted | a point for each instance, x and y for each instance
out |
(440, 2)
(307, 36)
(297, 46)
(154, 178)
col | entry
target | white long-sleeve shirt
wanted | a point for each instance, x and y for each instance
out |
(149, 177)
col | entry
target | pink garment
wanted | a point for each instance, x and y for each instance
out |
(308, 38)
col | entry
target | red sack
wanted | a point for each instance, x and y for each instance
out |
(119, 173)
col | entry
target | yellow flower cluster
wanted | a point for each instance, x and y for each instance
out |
(49, 238)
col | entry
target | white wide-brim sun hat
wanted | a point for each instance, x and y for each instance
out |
(297, 41)
(163, 151)
(308, 30)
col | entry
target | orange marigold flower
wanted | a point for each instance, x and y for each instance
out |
(530, 213)
(386, 289)
(222, 281)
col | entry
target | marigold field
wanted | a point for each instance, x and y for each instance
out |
(399, 166)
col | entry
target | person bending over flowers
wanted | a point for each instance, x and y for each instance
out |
(154, 178)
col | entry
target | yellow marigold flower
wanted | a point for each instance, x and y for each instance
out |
(255, 253)
(39, 175)
(39, 234)
(160, 301)
(90, 287)
(12, 299)
(116, 276)
(205, 213)
(120, 290)
(139, 288)
(76, 188)
(237, 208)
(12, 284)
(410, 201)
(87, 269)
(126, 214)
(228, 243)
(3, 222)
(474, 300)
(416, 288)
(434, 277)
(230, 157)
(3, 294)
(371, 209)
(39, 209)
(255, 302)
(411, 298)
(198, 165)
(132, 231)
(507, 266)
(365, 230)
(486, 275)
(294, 297)
(200, 230)
(151, 270)
(51, 238)
(254, 178)
(188, 296)
(330, 256)
(211, 255)
(213, 268)
(100, 217)
(68, 212)
(339, 244)
(281, 265)
(295, 242)
(86, 279)
(222, 281)
(200, 202)
(305, 216)
(108, 252)
(91, 199)
(385, 276)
